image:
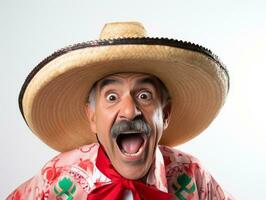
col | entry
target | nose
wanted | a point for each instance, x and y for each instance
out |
(129, 109)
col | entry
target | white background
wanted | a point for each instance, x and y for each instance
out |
(233, 148)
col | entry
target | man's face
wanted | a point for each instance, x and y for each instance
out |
(121, 99)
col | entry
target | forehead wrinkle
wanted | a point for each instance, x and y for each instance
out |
(108, 81)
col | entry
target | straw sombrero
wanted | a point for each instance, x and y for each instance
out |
(53, 97)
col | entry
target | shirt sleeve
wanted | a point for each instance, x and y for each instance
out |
(30, 189)
(54, 181)
(188, 180)
(66, 176)
(64, 186)
(208, 187)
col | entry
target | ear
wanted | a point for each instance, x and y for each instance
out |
(90, 112)
(166, 114)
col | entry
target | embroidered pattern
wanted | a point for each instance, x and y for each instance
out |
(66, 188)
(186, 186)
(73, 175)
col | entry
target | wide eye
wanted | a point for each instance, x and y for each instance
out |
(112, 97)
(144, 95)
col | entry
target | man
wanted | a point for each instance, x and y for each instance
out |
(114, 108)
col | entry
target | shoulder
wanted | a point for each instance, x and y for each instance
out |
(75, 156)
(83, 157)
(185, 171)
(178, 163)
(173, 157)
(73, 168)
(181, 164)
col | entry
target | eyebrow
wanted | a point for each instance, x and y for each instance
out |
(148, 80)
(108, 81)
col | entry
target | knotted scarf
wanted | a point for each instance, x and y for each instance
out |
(115, 190)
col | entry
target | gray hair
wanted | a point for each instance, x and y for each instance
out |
(91, 100)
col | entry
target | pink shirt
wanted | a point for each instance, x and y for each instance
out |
(73, 175)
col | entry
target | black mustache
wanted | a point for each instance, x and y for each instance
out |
(138, 124)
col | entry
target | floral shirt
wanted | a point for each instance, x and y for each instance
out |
(73, 175)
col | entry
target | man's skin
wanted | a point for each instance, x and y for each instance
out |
(124, 97)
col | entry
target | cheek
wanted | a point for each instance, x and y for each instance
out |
(104, 122)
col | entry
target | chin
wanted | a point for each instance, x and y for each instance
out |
(134, 165)
(133, 172)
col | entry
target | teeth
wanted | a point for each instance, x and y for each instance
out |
(130, 132)
(130, 154)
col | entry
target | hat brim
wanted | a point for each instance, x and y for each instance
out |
(53, 97)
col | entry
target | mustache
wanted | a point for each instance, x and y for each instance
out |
(138, 124)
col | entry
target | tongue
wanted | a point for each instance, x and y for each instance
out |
(131, 143)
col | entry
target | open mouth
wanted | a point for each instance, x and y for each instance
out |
(130, 143)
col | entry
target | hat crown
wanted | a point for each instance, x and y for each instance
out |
(123, 30)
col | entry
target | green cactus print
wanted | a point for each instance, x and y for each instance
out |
(183, 181)
(66, 187)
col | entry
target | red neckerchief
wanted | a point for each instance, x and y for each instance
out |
(115, 190)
